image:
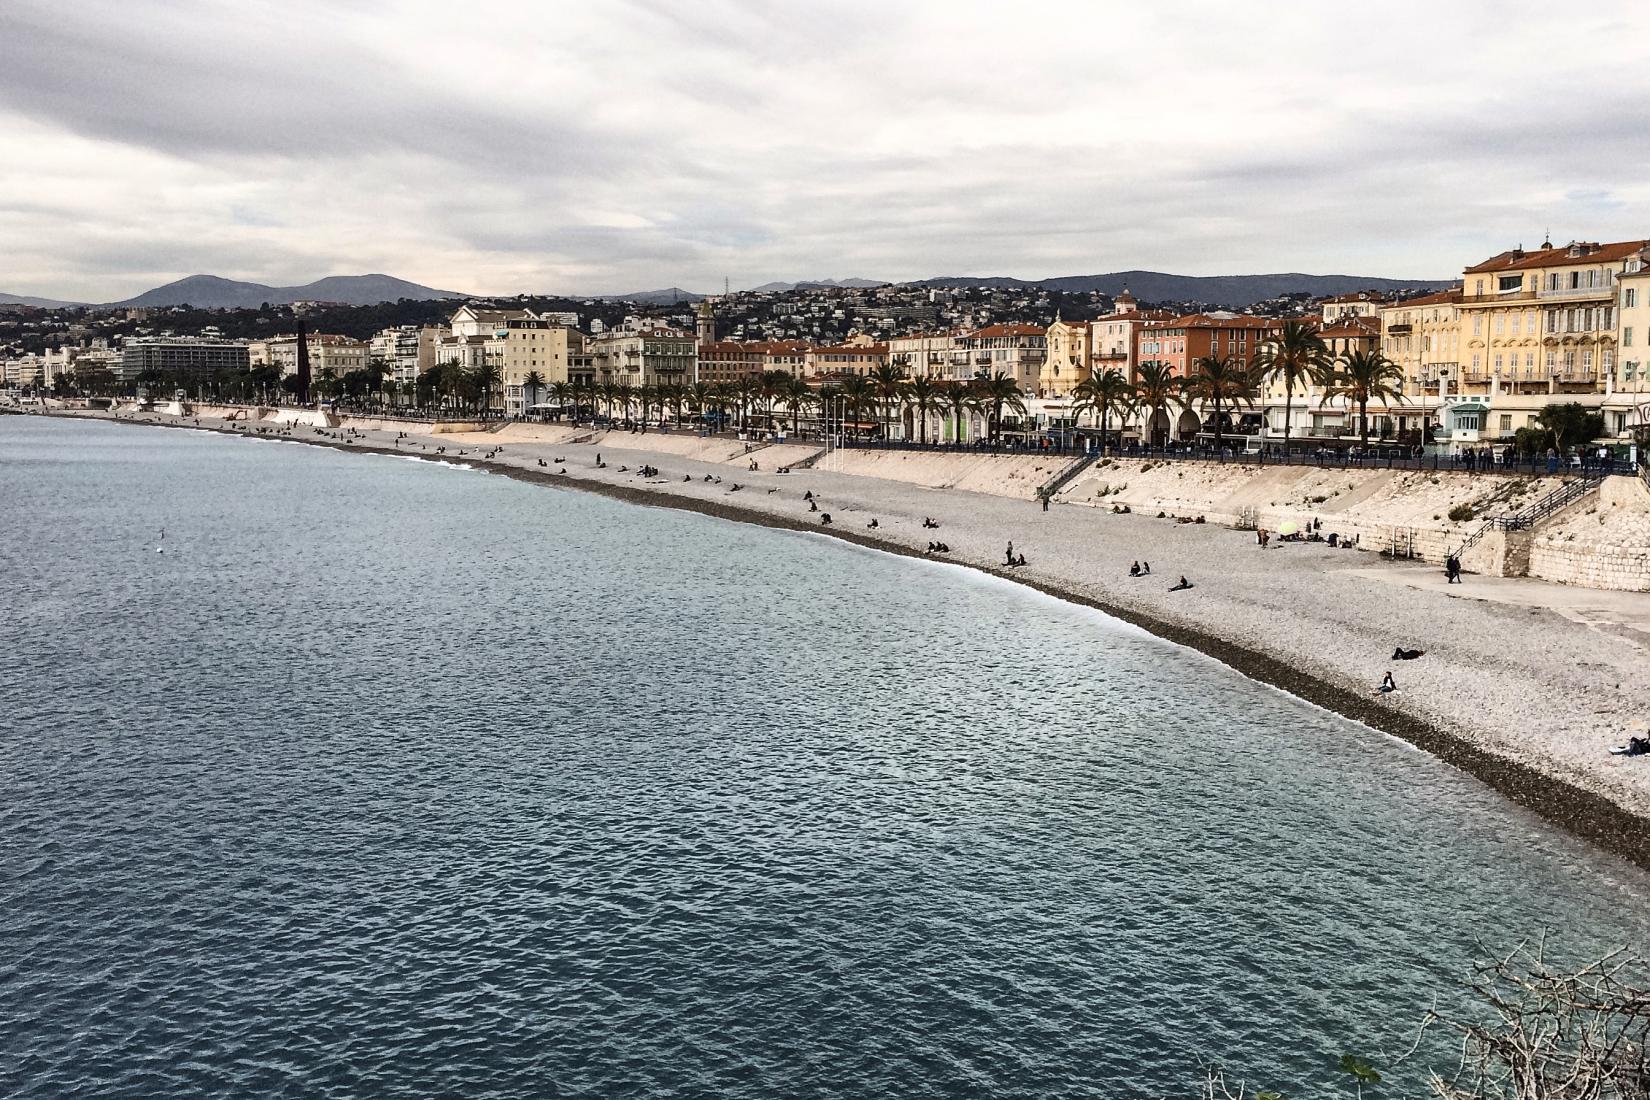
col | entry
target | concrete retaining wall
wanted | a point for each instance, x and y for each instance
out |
(1601, 542)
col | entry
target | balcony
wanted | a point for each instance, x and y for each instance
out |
(1399, 330)
(1578, 293)
(1495, 299)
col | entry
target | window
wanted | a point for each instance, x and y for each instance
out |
(1500, 324)
(1511, 282)
(1478, 324)
(1587, 360)
(1497, 362)
(1629, 298)
(1476, 360)
(1515, 320)
(1506, 422)
(1607, 361)
(1627, 337)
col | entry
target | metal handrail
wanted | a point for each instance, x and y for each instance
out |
(1559, 498)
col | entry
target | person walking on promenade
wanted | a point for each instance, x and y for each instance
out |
(1452, 569)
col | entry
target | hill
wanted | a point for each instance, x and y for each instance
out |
(1220, 290)
(213, 292)
(42, 303)
(815, 284)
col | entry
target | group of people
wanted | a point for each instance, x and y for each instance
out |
(1011, 560)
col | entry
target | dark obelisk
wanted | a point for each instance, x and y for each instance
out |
(303, 364)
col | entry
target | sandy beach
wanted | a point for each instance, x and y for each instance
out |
(1525, 684)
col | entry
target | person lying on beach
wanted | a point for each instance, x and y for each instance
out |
(736, 487)
(1388, 685)
(1182, 586)
(1402, 654)
(1636, 746)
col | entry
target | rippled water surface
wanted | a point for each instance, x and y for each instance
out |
(389, 779)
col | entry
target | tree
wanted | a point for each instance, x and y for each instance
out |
(995, 393)
(923, 394)
(798, 396)
(1298, 357)
(1219, 380)
(1366, 376)
(486, 378)
(1570, 423)
(959, 398)
(701, 396)
(1157, 387)
(532, 383)
(858, 392)
(562, 394)
(1102, 394)
(1552, 1033)
(888, 383)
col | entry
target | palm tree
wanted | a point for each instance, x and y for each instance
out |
(533, 383)
(858, 392)
(701, 395)
(798, 396)
(770, 387)
(1366, 376)
(486, 379)
(1296, 355)
(562, 393)
(923, 393)
(959, 398)
(1103, 393)
(993, 394)
(1219, 380)
(888, 383)
(1157, 387)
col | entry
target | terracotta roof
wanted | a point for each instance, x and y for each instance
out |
(1010, 330)
(1442, 297)
(1519, 260)
(1203, 320)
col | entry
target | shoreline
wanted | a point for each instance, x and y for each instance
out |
(1590, 815)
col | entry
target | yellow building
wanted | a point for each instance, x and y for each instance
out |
(1542, 323)
(1070, 355)
(533, 346)
(1423, 336)
(1628, 405)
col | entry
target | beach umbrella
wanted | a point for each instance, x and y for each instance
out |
(1290, 528)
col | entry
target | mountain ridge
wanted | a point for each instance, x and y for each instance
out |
(216, 292)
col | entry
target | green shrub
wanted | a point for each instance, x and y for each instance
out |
(1461, 512)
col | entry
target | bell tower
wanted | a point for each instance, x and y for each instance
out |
(707, 322)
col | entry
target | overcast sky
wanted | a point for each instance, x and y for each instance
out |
(599, 147)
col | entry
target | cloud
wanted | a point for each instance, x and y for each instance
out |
(593, 148)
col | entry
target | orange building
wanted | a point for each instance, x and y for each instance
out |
(1182, 341)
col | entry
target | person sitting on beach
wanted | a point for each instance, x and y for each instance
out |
(945, 548)
(809, 495)
(825, 519)
(1401, 654)
(542, 462)
(1146, 569)
(1182, 586)
(1021, 560)
(687, 477)
(1134, 570)
(1388, 685)
(736, 487)
(1333, 539)
(813, 506)
(873, 524)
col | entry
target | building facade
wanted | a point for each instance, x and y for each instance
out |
(182, 355)
(1069, 358)
(649, 357)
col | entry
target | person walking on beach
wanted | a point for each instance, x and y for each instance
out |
(1452, 569)
(1008, 555)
